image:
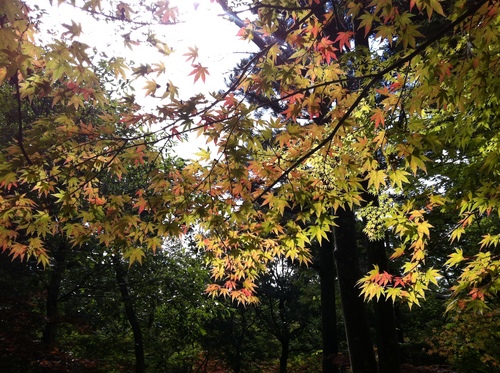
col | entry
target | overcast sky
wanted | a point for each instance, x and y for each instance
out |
(200, 24)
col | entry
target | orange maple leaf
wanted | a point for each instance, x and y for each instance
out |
(384, 278)
(378, 118)
(141, 204)
(314, 28)
(398, 281)
(344, 39)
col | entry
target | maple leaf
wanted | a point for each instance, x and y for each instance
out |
(327, 50)
(400, 281)
(423, 228)
(314, 27)
(192, 54)
(399, 251)
(134, 255)
(74, 29)
(141, 204)
(292, 111)
(366, 22)
(118, 66)
(413, 3)
(393, 293)
(199, 72)
(168, 14)
(230, 100)
(384, 278)
(455, 258)
(142, 70)
(151, 87)
(431, 276)
(434, 6)
(344, 39)
(376, 178)
(417, 162)
(378, 117)
(123, 11)
(159, 68)
(204, 155)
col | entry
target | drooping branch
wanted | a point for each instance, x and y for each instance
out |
(376, 77)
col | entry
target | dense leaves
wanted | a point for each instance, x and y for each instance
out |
(401, 103)
(387, 122)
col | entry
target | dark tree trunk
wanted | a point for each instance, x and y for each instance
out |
(385, 320)
(284, 337)
(328, 308)
(361, 354)
(49, 335)
(285, 345)
(121, 278)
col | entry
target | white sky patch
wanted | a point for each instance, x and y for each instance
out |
(200, 25)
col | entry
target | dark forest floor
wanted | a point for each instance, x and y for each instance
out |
(406, 368)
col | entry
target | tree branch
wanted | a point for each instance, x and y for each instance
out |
(376, 77)
(20, 120)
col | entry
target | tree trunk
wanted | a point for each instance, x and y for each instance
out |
(285, 345)
(49, 335)
(385, 320)
(361, 354)
(284, 337)
(121, 278)
(328, 308)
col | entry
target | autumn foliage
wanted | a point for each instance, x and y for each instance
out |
(350, 121)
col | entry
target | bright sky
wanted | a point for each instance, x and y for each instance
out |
(200, 24)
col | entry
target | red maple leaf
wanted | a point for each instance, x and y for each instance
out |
(326, 48)
(398, 281)
(384, 278)
(199, 72)
(230, 100)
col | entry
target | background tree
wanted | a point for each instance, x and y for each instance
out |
(290, 309)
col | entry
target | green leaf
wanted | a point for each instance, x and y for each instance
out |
(455, 258)
(133, 255)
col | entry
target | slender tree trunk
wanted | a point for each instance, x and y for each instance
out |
(284, 337)
(121, 278)
(328, 308)
(285, 345)
(361, 354)
(49, 336)
(385, 320)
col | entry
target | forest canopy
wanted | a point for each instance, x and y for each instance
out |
(371, 128)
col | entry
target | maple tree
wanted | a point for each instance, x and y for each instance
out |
(363, 120)
(54, 176)
(390, 114)
(371, 100)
